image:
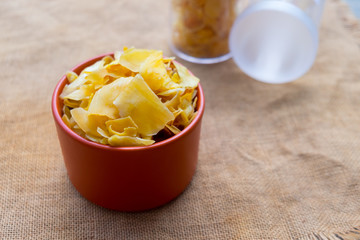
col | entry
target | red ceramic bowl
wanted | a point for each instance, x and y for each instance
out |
(128, 178)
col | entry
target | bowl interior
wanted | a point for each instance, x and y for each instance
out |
(57, 106)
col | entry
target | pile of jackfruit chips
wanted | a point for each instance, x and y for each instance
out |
(127, 100)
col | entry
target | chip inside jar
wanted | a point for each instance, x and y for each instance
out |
(201, 28)
(134, 99)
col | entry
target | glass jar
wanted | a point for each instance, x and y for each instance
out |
(201, 28)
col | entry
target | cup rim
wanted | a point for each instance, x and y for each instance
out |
(55, 106)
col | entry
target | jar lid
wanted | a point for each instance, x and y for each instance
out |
(274, 41)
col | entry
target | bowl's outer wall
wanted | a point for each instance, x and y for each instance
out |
(128, 180)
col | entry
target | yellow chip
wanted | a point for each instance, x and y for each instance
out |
(132, 58)
(94, 139)
(187, 80)
(129, 131)
(73, 86)
(82, 78)
(102, 102)
(99, 64)
(72, 103)
(78, 131)
(117, 55)
(174, 102)
(69, 122)
(97, 77)
(118, 70)
(86, 102)
(186, 105)
(107, 60)
(173, 129)
(138, 101)
(155, 75)
(87, 122)
(83, 92)
(71, 76)
(168, 94)
(175, 78)
(122, 127)
(102, 132)
(126, 141)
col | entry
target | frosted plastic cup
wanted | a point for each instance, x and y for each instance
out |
(276, 41)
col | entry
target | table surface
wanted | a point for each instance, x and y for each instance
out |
(275, 161)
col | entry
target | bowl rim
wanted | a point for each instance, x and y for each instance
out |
(55, 106)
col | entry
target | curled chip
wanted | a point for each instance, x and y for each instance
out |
(134, 99)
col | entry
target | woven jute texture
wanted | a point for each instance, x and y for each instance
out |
(275, 161)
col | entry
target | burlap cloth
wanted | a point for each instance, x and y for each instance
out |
(275, 161)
